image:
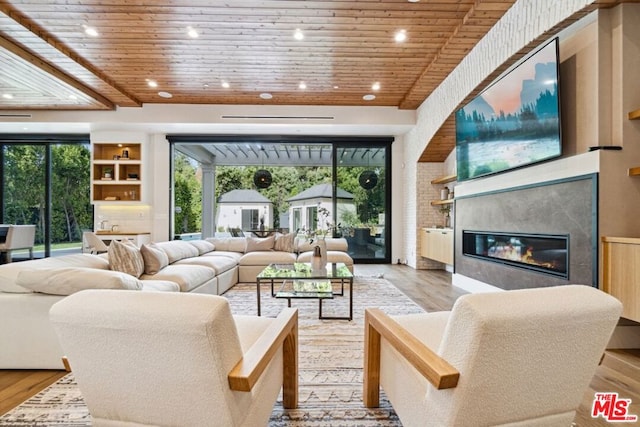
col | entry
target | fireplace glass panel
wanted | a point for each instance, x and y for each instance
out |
(543, 253)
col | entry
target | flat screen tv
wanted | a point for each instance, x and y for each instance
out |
(514, 122)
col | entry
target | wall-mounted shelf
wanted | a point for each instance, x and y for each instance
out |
(441, 202)
(634, 171)
(634, 115)
(445, 179)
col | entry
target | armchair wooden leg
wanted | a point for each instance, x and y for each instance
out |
(290, 371)
(65, 362)
(371, 388)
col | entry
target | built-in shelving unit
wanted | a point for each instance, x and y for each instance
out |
(441, 181)
(116, 172)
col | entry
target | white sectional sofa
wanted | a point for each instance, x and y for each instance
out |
(28, 289)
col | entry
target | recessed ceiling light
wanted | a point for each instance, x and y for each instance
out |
(7, 96)
(205, 86)
(369, 97)
(400, 36)
(225, 85)
(90, 31)
(302, 85)
(414, 1)
(165, 95)
(152, 83)
(191, 32)
(375, 86)
(266, 95)
(298, 34)
(73, 97)
(336, 87)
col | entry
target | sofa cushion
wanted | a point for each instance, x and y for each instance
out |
(225, 254)
(219, 264)
(126, 257)
(284, 242)
(332, 256)
(9, 272)
(177, 250)
(160, 286)
(333, 244)
(155, 259)
(230, 244)
(68, 280)
(202, 246)
(187, 276)
(267, 257)
(254, 244)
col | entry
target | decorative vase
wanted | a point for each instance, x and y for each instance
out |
(322, 244)
(316, 259)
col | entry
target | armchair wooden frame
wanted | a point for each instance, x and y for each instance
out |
(378, 325)
(284, 331)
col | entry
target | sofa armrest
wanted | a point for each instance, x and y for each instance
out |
(283, 332)
(378, 325)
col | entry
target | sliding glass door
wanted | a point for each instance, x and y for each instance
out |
(362, 200)
(47, 184)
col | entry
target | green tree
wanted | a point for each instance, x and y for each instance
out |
(72, 211)
(188, 195)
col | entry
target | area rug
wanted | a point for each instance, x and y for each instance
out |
(330, 364)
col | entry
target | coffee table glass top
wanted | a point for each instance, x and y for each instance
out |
(305, 288)
(304, 271)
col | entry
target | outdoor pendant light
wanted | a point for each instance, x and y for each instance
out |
(262, 178)
(368, 179)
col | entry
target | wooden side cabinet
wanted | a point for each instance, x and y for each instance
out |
(621, 273)
(437, 244)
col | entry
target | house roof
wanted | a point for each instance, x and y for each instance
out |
(320, 191)
(243, 196)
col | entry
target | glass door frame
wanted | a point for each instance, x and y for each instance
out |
(363, 144)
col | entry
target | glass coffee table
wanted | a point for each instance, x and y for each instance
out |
(299, 281)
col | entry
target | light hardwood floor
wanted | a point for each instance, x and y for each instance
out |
(432, 290)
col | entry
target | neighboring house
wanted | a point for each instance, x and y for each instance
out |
(244, 209)
(303, 207)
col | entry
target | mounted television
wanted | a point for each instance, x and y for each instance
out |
(514, 122)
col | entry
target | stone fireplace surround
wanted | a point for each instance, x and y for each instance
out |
(562, 206)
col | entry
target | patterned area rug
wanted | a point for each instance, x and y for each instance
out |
(330, 357)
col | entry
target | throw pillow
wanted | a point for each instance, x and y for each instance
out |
(255, 244)
(202, 246)
(126, 258)
(68, 280)
(284, 242)
(155, 259)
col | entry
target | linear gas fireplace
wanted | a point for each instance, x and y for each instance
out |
(537, 252)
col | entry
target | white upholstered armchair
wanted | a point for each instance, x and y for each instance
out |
(18, 237)
(516, 358)
(179, 359)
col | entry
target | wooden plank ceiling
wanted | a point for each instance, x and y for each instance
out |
(47, 61)
(347, 47)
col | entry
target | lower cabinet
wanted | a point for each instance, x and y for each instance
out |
(621, 273)
(437, 244)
